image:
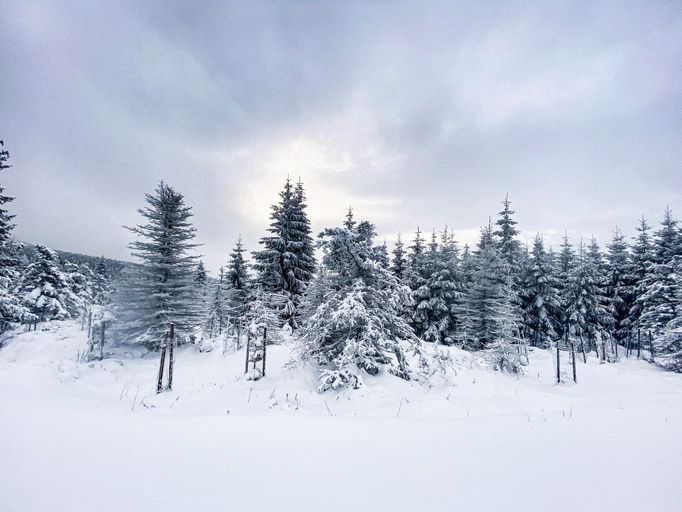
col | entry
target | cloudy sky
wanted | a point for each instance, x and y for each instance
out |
(413, 115)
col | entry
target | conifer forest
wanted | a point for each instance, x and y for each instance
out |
(340, 257)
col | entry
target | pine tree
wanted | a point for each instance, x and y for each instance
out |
(642, 263)
(510, 247)
(11, 309)
(668, 346)
(238, 283)
(101, 284)
(587, 311)
(657, 301)
(44, 289)
(217, 314)
(618, 287)
(492, 315)
(541, 305)
(438, 300)
(357, 328)
(399, 261)
(79, 279)
(286, 263)
(161, 290)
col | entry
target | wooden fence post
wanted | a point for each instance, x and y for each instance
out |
(159, 383)
(265, 333)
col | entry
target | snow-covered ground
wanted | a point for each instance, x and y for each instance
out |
(95, 437)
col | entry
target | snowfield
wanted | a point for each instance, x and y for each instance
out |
(95, 437)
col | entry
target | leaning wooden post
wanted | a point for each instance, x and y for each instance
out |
(558, 361)
(265, 333)
(171, 359)
(159, 383)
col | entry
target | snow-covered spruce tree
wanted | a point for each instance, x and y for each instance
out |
(668, 346)
(79, 279)
(618, 287)
(657, 301)
(44, 289)
(161, 289)
(11, 309)
(540, 297)
(357, 328)
(216, 315)
(399, 262)
(286, 263)
(587, 307)
(438, 299)
(101, 284)
(238, 284)
(506, 234)
(642, 262)
(565, 265)
(493, 318)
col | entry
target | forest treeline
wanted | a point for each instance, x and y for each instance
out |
(362, 309)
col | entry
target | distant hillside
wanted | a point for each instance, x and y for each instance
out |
(113, 266)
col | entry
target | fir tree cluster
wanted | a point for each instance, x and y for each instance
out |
(359, 311)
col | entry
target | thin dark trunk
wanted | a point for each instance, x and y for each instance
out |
(265, 332)
(171, 358)
(101, 343)
(639, 343)
(248, 346)
(651, 346)
(582, 347)
(575, 378)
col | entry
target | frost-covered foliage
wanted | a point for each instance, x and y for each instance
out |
(286, 263)
(618, 284)
(492, 313)
(657, 300)
(11, 307)
(587, 307)
(161, 289)
(357, 329)
(668, 346)
(44, 289)
(540, 297)
(439, 298)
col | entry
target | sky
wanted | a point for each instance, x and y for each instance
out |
(414, 113)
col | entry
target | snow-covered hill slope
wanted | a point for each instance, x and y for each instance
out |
(94, 436)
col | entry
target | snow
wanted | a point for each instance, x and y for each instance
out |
(94, 436)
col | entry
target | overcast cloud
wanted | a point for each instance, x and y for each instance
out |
(413, 115)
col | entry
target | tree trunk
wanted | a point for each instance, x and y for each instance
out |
(171, 358)
(248, 346)
(582, 347)
(651, 346)
(101, 343)
(639, 343)
(575, 379)
(265, 333)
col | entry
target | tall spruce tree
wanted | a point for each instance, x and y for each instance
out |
(161, 289)
(11, 309)
(507, 233)
(642, 262)
(286, 263)
(618, 284)
(238, 283)
(492, 315)
(540, 294)
(657, 301)
(399, 262)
